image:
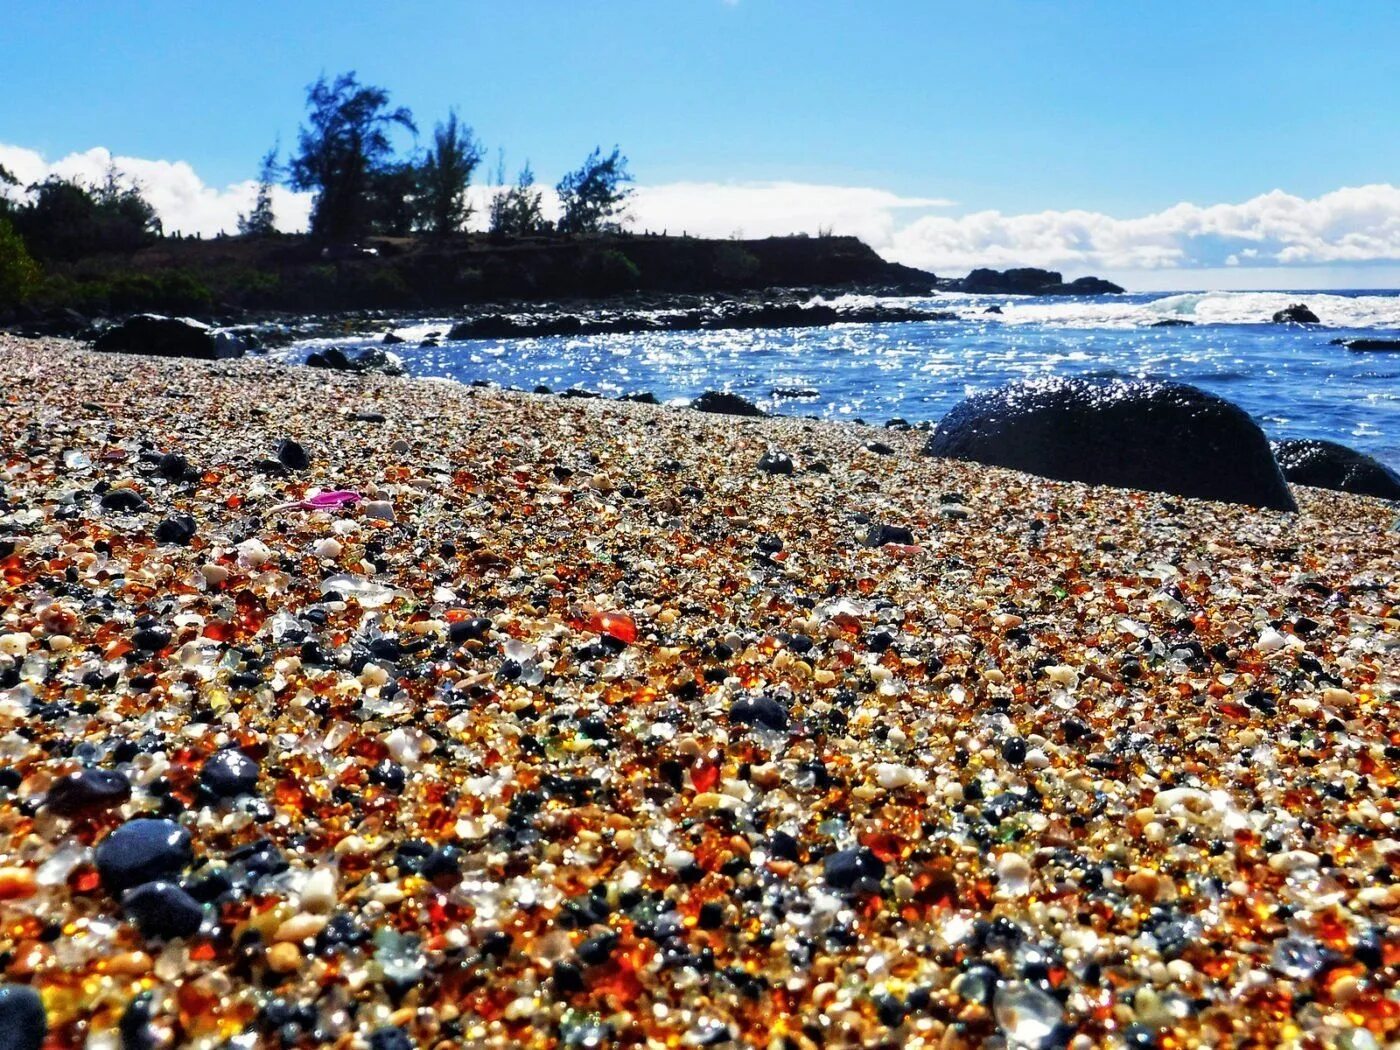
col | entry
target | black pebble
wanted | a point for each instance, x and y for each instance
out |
(759, 710)
(845, 868)
(775, 463)
(89, 789)
(124, 500)
(162, 909)
(142, 850)
(178, 529)
(291, 455)
(1013, 749)
(879, 535)
(229, 773)
(466, 630)
(172, 466)
(23, 1022)
(390, 1039)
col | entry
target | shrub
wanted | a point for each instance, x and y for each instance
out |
(19, 273)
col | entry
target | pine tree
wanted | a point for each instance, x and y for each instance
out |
(260, 222)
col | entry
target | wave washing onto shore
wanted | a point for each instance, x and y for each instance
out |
(1369, 310)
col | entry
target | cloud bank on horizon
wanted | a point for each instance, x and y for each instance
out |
(1351, 226)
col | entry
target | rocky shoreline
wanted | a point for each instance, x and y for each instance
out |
(344, 709)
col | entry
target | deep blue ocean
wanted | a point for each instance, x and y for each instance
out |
(1291, 378)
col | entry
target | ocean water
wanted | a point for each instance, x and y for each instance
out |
(1289, 377)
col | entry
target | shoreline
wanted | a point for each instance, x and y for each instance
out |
(641, 741)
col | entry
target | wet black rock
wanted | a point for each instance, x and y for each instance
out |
(723, 403)
(142, 850)
(291, 455)
(86, 791)
(759, 711)
(177, 529)
(169, 337)
(853, 868)
(229, 773)
(646, 397)
(1371, 345)
(162, 909)
(1172, 322)
(775, 463)
(124, 501)
(879, 535)
(370, 359)
(1161, 437)
(23, 1021)
(1328, 465)
(1298, 313)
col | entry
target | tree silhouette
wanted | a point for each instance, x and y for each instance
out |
(260, 221)
(444, 175)
(516, 212)
(340, 151)
(593, 196)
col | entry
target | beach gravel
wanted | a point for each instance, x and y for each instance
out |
(353, 711)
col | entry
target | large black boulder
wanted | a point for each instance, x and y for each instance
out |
(169, 337)
(1162, 437)
(23, 1019)
(1328, 465)
(1298, 313)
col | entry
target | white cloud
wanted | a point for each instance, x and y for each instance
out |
(181, 198)
(1358, 224)
(1350, 228)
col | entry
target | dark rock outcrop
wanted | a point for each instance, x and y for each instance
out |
(1172, 322)
(1298, 313)
(1161, 437)
(723, 403)
(1370, 345)
(726, 316)
(370, 359)
(169, 337)
(1027, 280)
(1328, 465)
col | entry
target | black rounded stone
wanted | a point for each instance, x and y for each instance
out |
(291, 455)
(124, 501)
(229, 773)
(1328, 465)
(162, 909)
(1160, 437)
(87, 790)
(879, 535)
(23, 1021)
(1013, 749)
(844, 869)
(142, 850)
(178, 529)
(776, 463)
(759, 710)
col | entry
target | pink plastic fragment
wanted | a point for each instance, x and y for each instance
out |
(323, 500)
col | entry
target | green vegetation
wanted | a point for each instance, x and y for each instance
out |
(64, 220)
(19, 273)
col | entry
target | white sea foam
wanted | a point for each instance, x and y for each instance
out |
(1334, 311)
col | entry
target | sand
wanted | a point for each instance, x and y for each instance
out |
(576, 728)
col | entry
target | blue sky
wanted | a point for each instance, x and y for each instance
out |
(1122, 109)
